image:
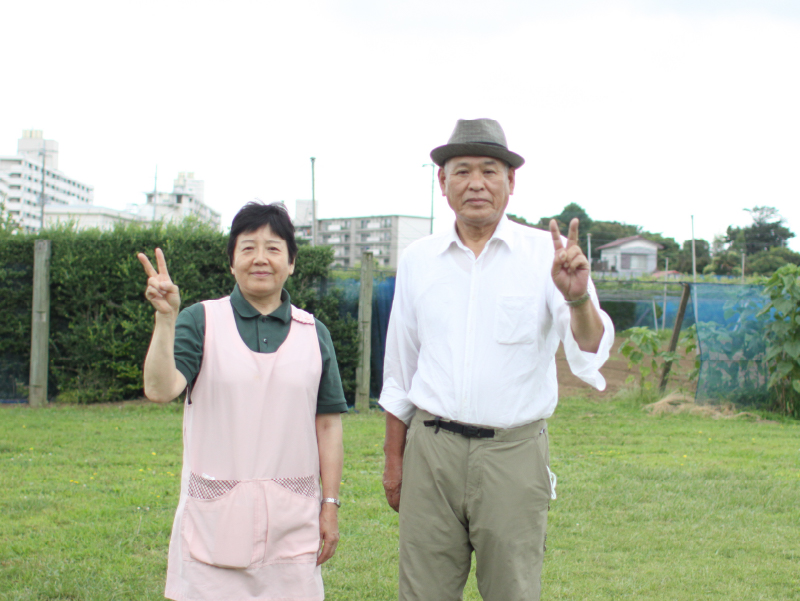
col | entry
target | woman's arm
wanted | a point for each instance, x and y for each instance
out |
(162, 380)
(331, 459)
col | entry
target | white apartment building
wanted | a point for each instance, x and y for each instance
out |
(23, 178)
(186, 199)
(4, 183)
(302, 219)
(89, 217)
(387, 236)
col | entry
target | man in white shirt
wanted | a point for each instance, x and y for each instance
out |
(470, 378)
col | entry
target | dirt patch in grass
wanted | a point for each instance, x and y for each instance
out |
(615, 371)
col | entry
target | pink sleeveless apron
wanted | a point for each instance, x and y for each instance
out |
(247, 524)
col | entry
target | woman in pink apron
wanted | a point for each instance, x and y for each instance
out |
(262, 433)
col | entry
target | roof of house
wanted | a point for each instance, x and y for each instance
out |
(622, 241)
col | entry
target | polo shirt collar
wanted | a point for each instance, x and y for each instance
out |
(504, 231)
(248, 311)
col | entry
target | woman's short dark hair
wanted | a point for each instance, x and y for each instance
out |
(255, 215)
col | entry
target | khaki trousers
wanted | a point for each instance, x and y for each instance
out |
(461, 495)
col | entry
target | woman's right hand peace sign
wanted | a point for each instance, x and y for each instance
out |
(161, 292)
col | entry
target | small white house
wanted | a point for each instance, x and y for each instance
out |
(632, 256)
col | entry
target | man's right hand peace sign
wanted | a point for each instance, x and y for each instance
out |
(161, 292)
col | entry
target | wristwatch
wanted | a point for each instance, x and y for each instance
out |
(336, 502)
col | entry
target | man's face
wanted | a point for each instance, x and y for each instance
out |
(477, 189)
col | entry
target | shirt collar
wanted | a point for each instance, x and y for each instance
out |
(248, 311)
(504, 231)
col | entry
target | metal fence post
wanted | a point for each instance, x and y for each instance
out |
(40, 324)
(364, 333)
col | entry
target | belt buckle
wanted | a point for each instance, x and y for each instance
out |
(472, 432)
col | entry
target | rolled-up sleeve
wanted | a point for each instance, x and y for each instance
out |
(402, 351)
(584, 365)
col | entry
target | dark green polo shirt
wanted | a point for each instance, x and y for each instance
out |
(262, 334)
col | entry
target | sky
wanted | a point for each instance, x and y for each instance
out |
(646, 112)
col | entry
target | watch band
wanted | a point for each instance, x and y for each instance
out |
(336, 502)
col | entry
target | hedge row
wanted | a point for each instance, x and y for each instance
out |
(100, 324)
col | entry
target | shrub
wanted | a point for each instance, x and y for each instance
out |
(644, 350)
(100, 324)
(783, 338)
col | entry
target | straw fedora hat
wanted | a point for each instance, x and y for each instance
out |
(477, 138)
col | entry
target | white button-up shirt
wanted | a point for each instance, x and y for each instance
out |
(474, 339)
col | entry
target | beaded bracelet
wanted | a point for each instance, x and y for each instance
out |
(578, 301)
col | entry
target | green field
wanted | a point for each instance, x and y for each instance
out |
(663, 508)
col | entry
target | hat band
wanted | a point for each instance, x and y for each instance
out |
(487, 143)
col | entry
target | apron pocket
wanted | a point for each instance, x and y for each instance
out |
(221, 531)
(294, 525)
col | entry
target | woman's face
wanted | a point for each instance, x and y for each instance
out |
(261, 264)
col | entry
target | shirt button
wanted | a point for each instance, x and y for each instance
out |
(264, 341)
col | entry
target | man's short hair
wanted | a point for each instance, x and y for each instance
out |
(255, 215)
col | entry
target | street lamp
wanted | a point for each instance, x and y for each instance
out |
(433, 178)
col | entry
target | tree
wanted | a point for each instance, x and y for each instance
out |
(571, 211)
(671, 250)
(7, 224)
(520, 220)
(767, 231)
(702, 256)
(604, 232)
(724, 263)
(768, 261)
(567, 214)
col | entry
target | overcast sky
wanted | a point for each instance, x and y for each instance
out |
(644, 112)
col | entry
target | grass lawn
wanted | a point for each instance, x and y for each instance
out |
(664, 508)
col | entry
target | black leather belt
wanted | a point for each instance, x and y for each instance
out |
(463, 429)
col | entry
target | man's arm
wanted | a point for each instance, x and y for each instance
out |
(587, 327)
(331, 459)
(399, 367)
(571, 276)
(394, 446)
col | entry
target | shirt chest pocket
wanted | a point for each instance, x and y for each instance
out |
(516, 320)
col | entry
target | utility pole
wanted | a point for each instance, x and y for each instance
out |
(694, 256)
(742, 267)
(694, 277)
(433, 177)
(664, 312)
(589, 244)
(313, 207)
